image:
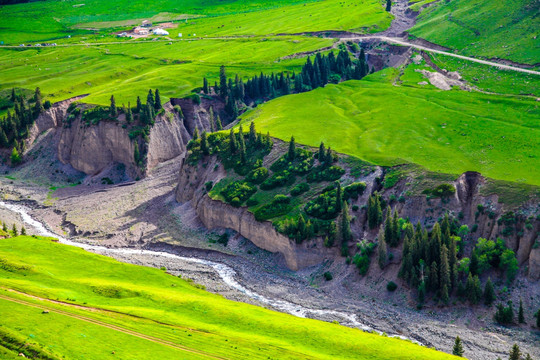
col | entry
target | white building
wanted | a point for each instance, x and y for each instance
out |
(159, 31)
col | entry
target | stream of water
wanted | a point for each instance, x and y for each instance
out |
(226, 273)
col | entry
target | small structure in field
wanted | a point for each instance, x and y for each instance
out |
(159, 31)
(140, 31)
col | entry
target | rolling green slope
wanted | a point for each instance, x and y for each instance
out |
(152, 302)
(443, 131)
(505, 29)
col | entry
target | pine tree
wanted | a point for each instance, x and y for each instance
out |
(320, 155)
(136, 153)
(204, 144)
(4, 227)
(211, 119)
(489, 293)
(421, 292)
(528, 357)
(129, 114)
(112, 109)
(219, 127)
(223, 91)
(346, 233)
(339, 197)
(396, 231)
(157, 101)
(4, 142)
(139, 105)
(242, 145)
(477, 289)
(458, 348)
(13, 95)
(434, 276)
(521, 316)
(292, 149)
(150, 98)
(195, 134)
(473, 266)
(15, 157)
(515, 353)
(445, 274)
(14, 230)
(453, 262)
(233, 146)
(382, 254)
(252, 134)
(388, 231)
(205, 86)
(23, 230)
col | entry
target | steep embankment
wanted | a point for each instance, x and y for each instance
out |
(94, 148)
(473, 203)
(216, 214)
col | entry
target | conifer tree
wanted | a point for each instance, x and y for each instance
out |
(129, 114)
(458, 347)
(205, 86)
(396, 231)
(434, 276)
(211, 119)
(4, 142)
(477, 289)
(515, 353)
(388, 231)
(4, 227)
(521, 316)
(233, 146)
(219, 127)
(112, 109)
(204, 144)
(421, 292)
(13, 95)
(382, 254)
(346, 233)
(223, 91)
(139, 105)
(150, 98)
(14, 231)
(252, 133)
(157, 101)
(473, 266)
(15, 157)
(195, 134)
(445, 274)
(321, 153)
(292, 149)
(136, 153)
(23, 230)
(489, 293)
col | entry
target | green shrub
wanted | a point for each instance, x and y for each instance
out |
(321, 173)
(442, 191)
(299, 189)
(324, 206)
(391, 286)
(258, 175)
(208, 185)
(237, 192)
(279, 206)
(354, 190)
(328, 276)
(278, 180)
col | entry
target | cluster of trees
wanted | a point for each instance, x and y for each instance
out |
(430, 259)
(489, 254)
(13, 231)
(374, 210)
(322, 70)
(14, 127)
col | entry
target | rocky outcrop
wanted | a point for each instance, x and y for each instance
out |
(216, 214)
(91, 149)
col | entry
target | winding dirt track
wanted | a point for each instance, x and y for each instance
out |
(110, 326)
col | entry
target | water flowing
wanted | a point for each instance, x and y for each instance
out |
(226, 273)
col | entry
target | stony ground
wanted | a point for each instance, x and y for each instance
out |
(145, 214)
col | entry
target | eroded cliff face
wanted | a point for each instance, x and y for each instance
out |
(93, 148)
(463, 205)
(216, 214)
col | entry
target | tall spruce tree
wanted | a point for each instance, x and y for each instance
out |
(521, 316)
(292, 149)
(211, 119)
(252, 133)
(205, 86)
(515, 353)
(223, 90)
(321, 153)
(150, 98)
(346, 233)
(458, 347)
(382, 252)
(113, 110)
(139, 105)
(219, 126)
(136, 153)
(489, 293)
(157, 101)
(233, 145)
(444, 277)
(204, 144)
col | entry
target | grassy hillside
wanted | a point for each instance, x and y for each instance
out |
(152, 302)
(55, 19)
(444, 131)
(505, 29)
(128, 70)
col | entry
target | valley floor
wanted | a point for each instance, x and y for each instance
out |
(145, 215)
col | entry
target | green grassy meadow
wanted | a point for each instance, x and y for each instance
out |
(155, 303)
(128, 70)
(505, 29)
(444, 131)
